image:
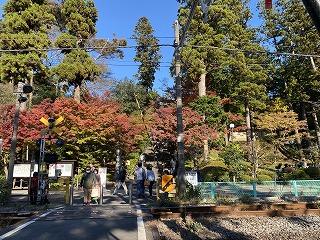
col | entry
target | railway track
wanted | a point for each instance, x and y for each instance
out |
(283, 210)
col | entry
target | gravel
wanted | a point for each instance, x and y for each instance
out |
(247, 228)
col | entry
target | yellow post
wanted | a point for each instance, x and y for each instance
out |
(67, 192)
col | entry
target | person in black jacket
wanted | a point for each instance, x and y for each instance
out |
(121, 180)
(88, 181)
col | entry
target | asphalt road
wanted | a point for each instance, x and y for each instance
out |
(114, 219)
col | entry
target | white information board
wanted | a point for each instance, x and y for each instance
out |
(192, 178)
(23, 170)
(61, 170)
(103, 176)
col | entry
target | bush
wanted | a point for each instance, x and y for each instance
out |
(271, 174)
(247, 178)
(264, 178)
(192, 192)
(313, 172)
(215, 174)
(296, 175)
(5, 190)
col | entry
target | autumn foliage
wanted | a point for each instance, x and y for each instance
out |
(164, 126)
(91, 129)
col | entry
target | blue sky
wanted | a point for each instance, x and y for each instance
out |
(120, 18)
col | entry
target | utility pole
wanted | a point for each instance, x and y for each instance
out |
(313, 8)
(181, 182)
(22, 89)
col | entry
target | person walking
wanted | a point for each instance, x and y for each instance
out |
(88, 180)
(121, 180)
(44, 191)
(151, 178)
(140, 175)
(96, 188)
(34, 189)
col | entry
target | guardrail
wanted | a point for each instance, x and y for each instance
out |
(259, 189)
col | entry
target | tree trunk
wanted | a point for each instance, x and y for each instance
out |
(202, 92)
(316, 125)
(304, 117)
(77, 93)
(31, 94)
(248, 123)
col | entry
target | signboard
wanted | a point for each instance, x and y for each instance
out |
(167, 183)
(23, 170)
(192, 178)
(61, 170)
(103, 176)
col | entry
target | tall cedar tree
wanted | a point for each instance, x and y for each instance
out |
(226, 49)
(289, 28)
(24, 35)
(147, 53)
(77, 65)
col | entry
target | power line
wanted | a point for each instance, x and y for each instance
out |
(164, 45)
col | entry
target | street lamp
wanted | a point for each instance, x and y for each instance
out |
(22, 89)
(231, 127)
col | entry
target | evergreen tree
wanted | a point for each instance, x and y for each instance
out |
(290, 30)
(24, 35)
(147, 53)
(226, 49)
(131, 96)
(77, 65)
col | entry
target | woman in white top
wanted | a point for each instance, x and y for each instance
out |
(151, 177)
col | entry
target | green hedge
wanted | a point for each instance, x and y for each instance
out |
(5, 190)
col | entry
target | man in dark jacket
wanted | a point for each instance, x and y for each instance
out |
(88, 181)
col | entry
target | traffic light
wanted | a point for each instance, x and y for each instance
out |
(59, 142)
(51, 123)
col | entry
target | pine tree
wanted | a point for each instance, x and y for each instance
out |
(147, 53)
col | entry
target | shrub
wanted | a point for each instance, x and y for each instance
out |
(192, 192)
(5, 190)
(224, 177)
(313, 172)
(214, 173)
(264, 178)
(296, 175)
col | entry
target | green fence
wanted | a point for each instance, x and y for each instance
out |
(260, 189)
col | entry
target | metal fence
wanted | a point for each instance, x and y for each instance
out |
(260, 189)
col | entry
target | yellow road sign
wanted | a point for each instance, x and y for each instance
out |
(51, 123)
(167, 183)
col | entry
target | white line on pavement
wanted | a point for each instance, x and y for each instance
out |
(141, 229)
(8, 234)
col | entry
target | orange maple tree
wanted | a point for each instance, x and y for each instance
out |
(92, 130)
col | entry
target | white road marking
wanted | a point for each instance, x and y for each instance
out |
(141, 228)
(8, 234)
